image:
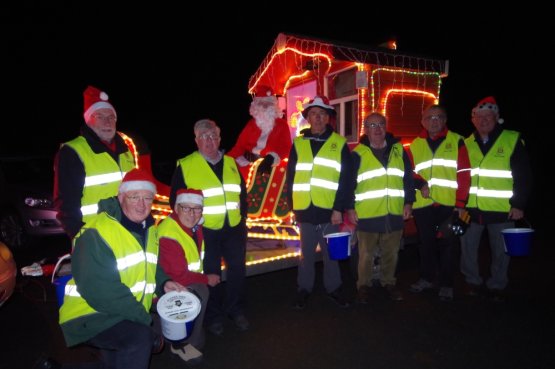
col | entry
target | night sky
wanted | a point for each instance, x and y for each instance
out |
(162, 72)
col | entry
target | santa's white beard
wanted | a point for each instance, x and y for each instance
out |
(265, 120)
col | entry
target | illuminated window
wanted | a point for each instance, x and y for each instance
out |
(343, 96)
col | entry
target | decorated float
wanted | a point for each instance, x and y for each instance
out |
(358, 80)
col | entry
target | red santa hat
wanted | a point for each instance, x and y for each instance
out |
(321, 102)
(137, 179)
(190, 196)
(264, 93)
(488, 103)
(95, 99)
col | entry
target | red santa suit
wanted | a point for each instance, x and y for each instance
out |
(272, 140)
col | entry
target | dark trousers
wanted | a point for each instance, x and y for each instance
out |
(229, 243)
(122, 346)
(437, 255)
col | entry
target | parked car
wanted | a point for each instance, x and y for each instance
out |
(26, 209)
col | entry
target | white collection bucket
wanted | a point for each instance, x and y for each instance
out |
(339, 245)
(178, 311)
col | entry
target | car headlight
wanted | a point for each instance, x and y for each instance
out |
(35, 202)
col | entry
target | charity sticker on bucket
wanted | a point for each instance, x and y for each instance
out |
(178, 311)
(517, 241)
(339, 245)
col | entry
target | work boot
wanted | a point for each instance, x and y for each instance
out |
(420, 286)
(393, 292)
(300, 300)
(363, 295)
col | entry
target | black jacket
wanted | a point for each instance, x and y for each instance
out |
(344, 196)
(69, 178)
(386, 223)
(522, 177)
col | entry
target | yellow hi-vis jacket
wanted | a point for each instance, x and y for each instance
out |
(438, 168)
(137, 267)
(169, 228)
(491, 177)
(102, 175)
(379, 190)
(317, 178)
(219, 198)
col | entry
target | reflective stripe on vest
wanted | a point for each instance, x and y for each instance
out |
(219, 199)
(379, 191)
(169, 228)
(439, 169)
(317, 178)
(102, 174)
(137, 268)
(491, 177)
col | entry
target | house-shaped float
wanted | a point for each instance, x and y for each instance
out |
(357, 79)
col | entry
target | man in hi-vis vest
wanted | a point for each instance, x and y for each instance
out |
(90, 167)
(319, 182)
(115, 276)
(442, 170)
(181, 253)
(384, 193)
(501, 182)
(225, 230)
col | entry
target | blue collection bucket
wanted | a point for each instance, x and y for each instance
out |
(517, 241)
(60, 285)
(60, 277)
(339, 245)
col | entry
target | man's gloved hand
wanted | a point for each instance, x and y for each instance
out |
(266, 166)
(250, 156)
(461, 222)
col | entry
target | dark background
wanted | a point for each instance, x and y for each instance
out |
(165, 67)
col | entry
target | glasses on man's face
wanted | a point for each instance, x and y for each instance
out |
(209, 136)
(105, 118)
(429, 118)
(190, 210)
(375, 125)
(135, 199)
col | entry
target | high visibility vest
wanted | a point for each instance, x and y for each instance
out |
(136, 267)
(102, 174)
(169, 228)
(219, 198)
(438, 168)
(491, 176)
(379, 190)
(317, 178)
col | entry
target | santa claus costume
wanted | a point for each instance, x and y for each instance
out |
(266, 135)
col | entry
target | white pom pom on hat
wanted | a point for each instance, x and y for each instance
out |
(264, 93)
(488, 103)
(137, 179)
(95, 99)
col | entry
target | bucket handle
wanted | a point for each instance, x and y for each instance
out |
(60, 260)
(525, 222)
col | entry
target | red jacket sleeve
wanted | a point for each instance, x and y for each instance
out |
(174, 262)
(463, 177)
